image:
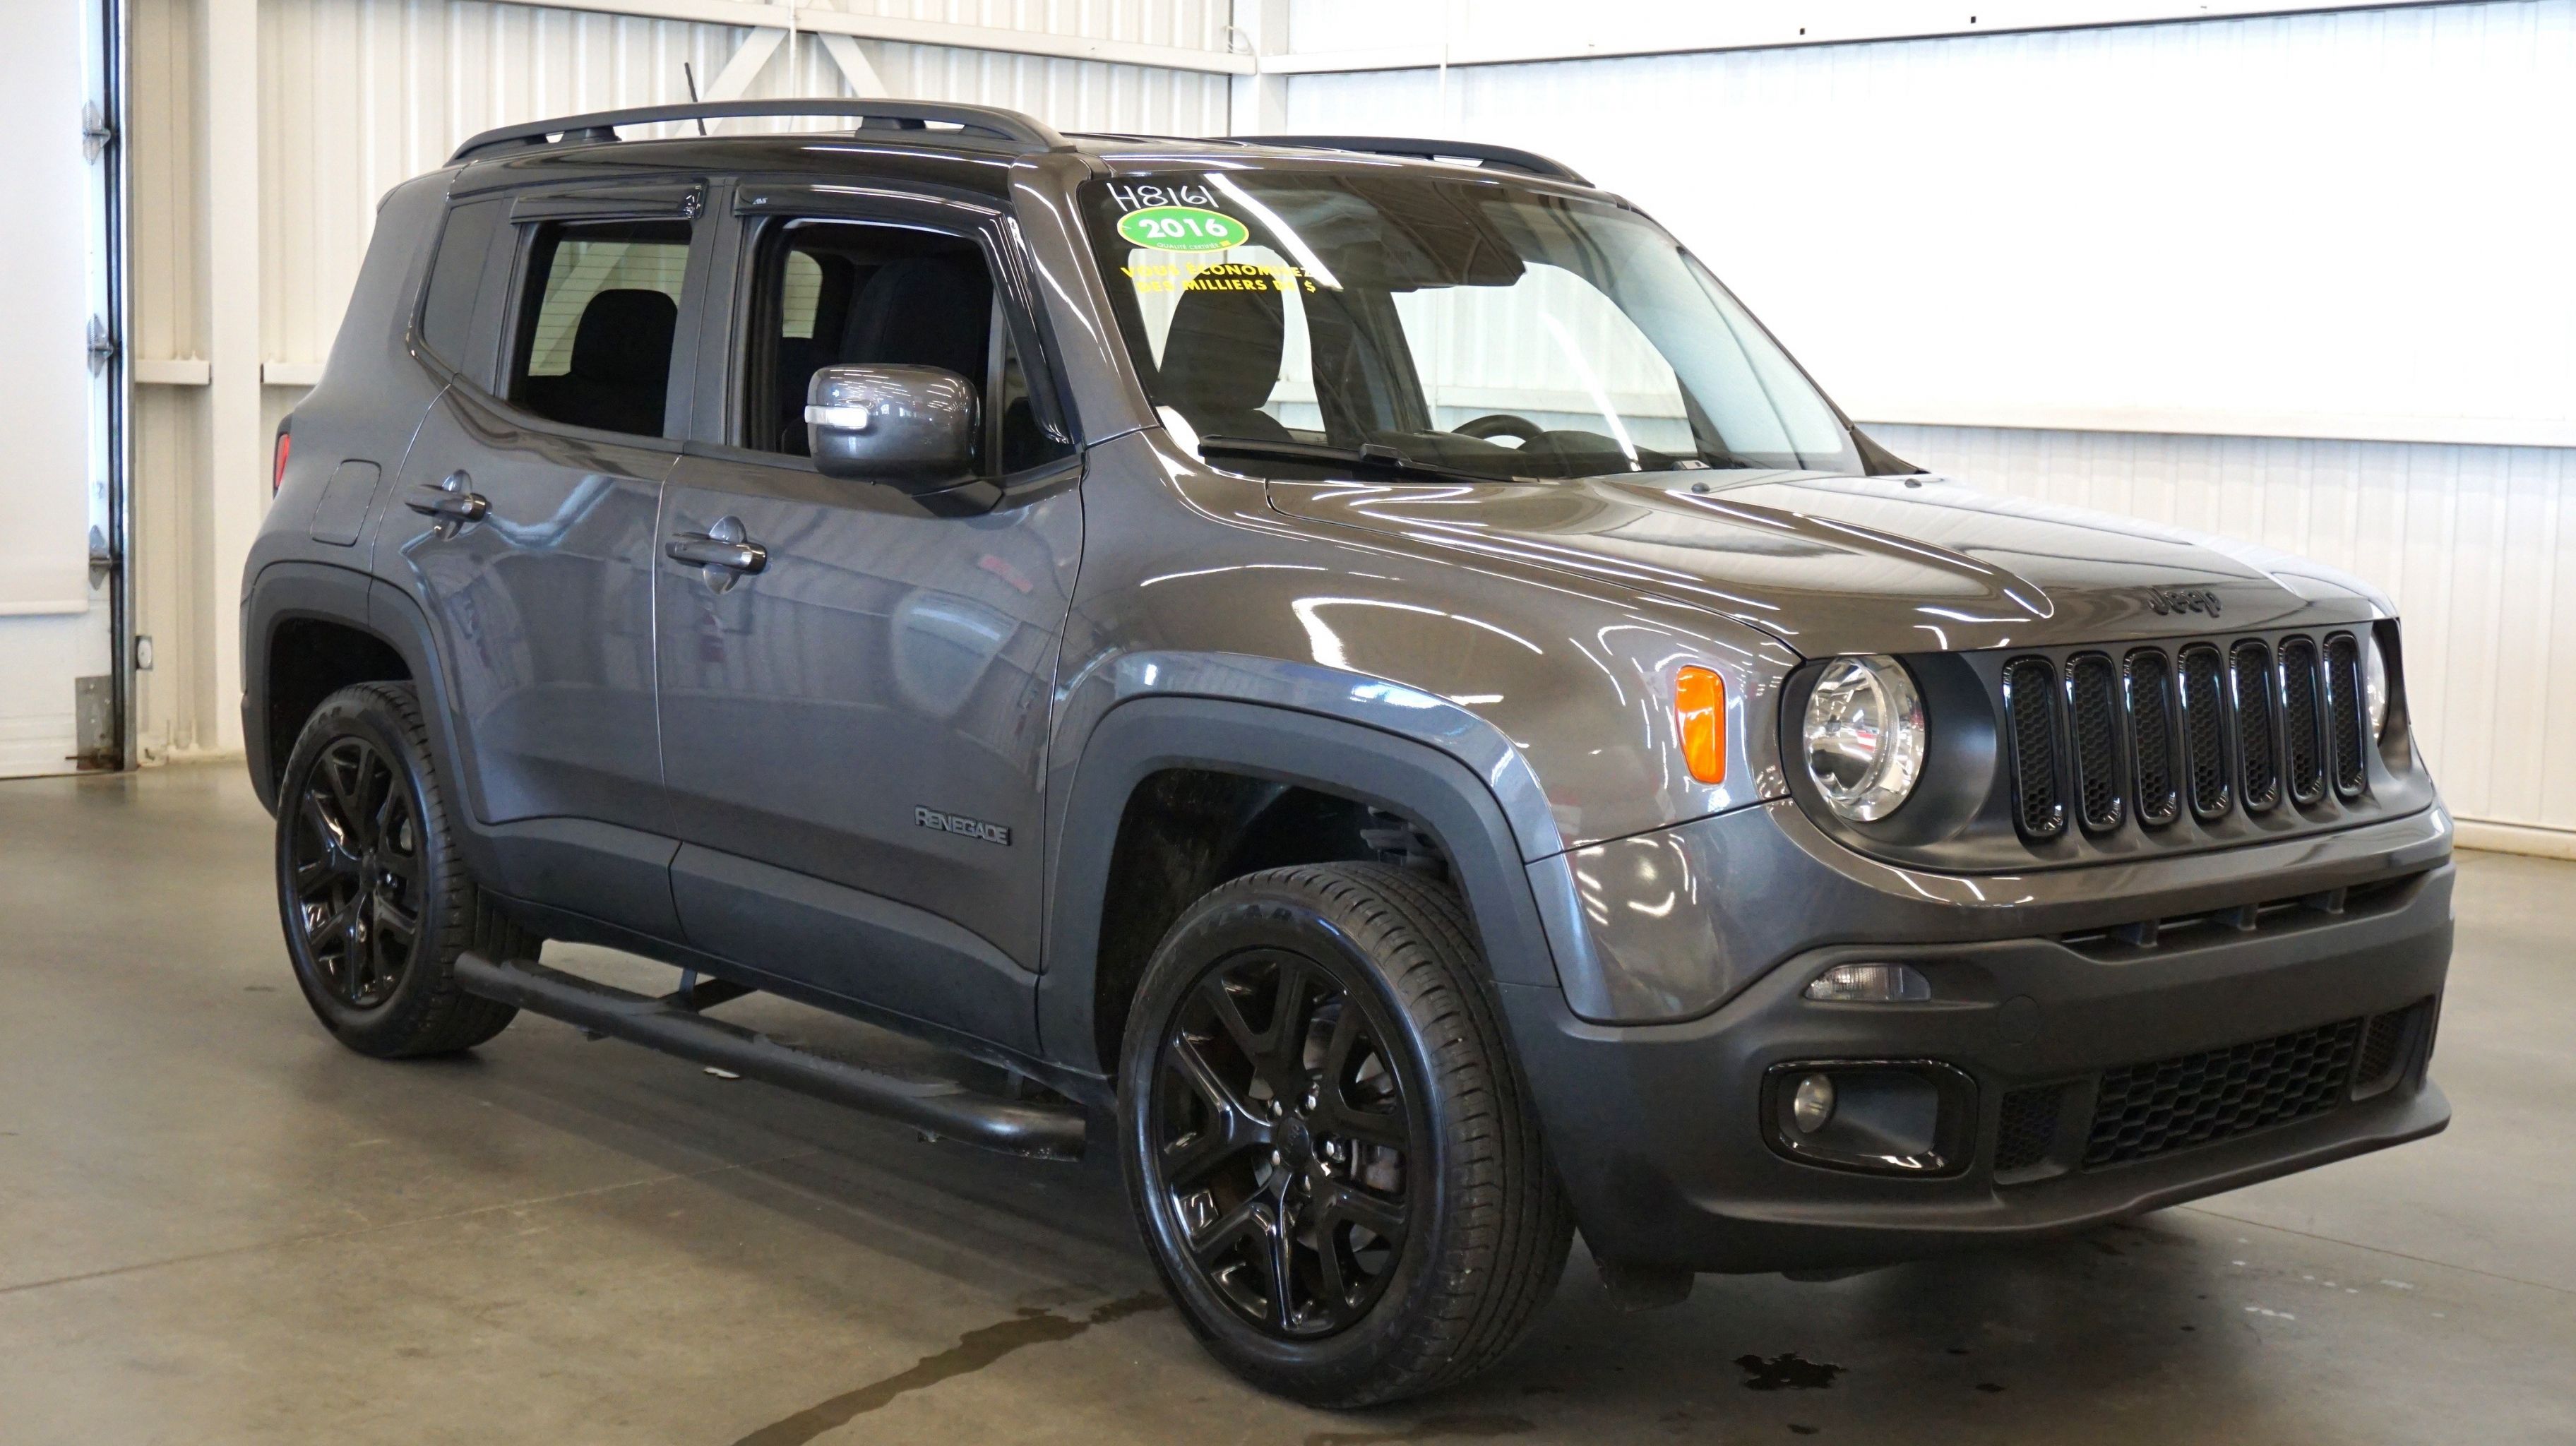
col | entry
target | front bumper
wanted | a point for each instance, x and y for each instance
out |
(1659, 1129)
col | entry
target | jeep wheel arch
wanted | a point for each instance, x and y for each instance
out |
(360, 607)
(1143, 737)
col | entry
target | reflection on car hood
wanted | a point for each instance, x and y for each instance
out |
(1836, 564)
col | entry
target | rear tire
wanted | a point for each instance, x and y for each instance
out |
(1328, 1147)
(374, 900)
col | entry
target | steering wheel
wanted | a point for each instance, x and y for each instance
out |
(1501, 424)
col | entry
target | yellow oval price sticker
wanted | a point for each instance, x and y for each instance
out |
(1182, 228)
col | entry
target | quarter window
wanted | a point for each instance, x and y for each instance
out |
(455, 278)
(600, 306)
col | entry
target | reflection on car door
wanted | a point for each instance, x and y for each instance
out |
(524, 525)
(853, 734)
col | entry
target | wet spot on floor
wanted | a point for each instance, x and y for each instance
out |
(1990, 1388)
(1469, 1427)
(1787, 1371)
(1029, 1326)
(1797, 1430)
(1956, 1350)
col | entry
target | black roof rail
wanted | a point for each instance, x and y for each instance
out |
(983, 120)
(1510, 156)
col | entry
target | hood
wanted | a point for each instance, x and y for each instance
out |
(1831, 564)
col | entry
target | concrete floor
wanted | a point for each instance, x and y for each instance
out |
(216, 1225)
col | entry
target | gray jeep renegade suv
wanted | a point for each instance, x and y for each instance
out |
(1350, 671)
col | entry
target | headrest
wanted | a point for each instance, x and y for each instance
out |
(925, 311)
(625, 338)
(1223, 352)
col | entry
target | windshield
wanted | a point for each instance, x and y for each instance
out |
(1466, 324)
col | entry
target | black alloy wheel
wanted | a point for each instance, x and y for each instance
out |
(1285, 1144)
(1327, 1140)
(354, 851)
(374, 899)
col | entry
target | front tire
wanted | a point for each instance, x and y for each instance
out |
(1327, 1145)
(375, 902)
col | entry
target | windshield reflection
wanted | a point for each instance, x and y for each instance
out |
(1466, 323)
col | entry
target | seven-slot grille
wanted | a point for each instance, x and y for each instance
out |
(2212, 727)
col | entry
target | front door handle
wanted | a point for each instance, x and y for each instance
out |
(723, 552)
(453, 503)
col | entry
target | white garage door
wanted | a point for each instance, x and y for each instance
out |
(58, 703)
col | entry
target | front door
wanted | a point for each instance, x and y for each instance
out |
(525, 525)
(854, 733)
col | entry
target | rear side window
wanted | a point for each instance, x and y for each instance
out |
(455, 278)
(599, 304)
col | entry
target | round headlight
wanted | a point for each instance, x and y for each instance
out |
(1864, 736)
(2374, 687)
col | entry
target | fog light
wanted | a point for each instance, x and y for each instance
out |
(1811, 1104)
(1870, 984)
(1886, 1116)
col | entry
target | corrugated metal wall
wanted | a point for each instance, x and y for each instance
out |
(2308, 226)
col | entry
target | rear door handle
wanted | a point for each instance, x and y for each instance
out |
(453, 503)
(723, 551)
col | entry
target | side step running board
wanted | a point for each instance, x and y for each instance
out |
(942, 1108)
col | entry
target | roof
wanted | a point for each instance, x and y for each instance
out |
(960, 131)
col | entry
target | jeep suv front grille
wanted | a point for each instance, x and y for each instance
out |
(2218, 727)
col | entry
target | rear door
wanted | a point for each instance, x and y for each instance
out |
(524, 524)
(853, 736)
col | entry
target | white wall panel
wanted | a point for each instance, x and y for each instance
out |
(2476, 544)
(2313, 225)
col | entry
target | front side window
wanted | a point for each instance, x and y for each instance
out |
(1466, 322)
(830, 292)
(599, 305)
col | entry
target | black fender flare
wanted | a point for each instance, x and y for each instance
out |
(1143, 736)
(282, 593)
(287, 591)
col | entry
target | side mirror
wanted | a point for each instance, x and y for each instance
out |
(909, 427)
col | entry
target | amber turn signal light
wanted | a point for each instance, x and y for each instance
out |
(1699, 708)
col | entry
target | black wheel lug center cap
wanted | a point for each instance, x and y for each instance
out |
(1296, 1143)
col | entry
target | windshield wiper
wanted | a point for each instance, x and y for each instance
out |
(1370, 456)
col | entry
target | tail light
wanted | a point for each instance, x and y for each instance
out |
(285, 448)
